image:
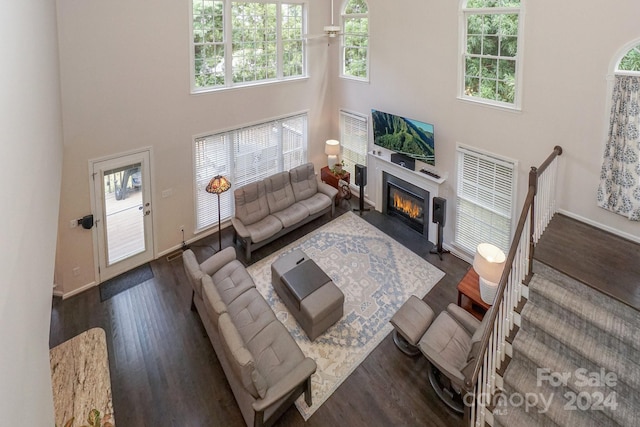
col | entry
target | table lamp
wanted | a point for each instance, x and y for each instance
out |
(489, 264)
(332, 149)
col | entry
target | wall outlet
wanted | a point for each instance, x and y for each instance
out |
(76, 271)
(181, 228)
(73, 223)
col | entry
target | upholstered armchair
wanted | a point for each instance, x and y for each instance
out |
(450, 343)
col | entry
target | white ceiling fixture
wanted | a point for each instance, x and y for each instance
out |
(329, 30)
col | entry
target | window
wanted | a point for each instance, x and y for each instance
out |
(485, 199)
(630, 61)
(262, 42)
(354, 140)
(245, 155)
(355, 41)
(491, 51)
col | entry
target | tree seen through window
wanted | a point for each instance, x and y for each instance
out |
(631, 60)
(355, 43)
(491, 50)
(263, 41)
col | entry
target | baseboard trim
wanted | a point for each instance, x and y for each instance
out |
(206, 233)
(601, 226)
(75, 291)
(458, 253)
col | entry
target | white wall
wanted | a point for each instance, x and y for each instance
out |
(125, 85)
(568, 46)
(30, 170)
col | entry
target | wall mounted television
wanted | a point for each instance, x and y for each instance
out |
(406, 136)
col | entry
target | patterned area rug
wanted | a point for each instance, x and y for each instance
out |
(376, 275)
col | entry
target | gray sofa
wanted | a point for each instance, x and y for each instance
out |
(263, 364)
(268, 209)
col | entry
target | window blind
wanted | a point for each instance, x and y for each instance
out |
(354, 140)
(212, 157)
(294, 142)
(245, 155)
(485, 199)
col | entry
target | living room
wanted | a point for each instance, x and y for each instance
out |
(99, 79)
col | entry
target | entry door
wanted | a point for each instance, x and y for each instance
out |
(124, 215)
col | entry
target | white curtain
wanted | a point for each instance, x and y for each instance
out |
(619, 189)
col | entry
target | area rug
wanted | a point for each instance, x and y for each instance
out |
(80, 381)
(376, 275)
(125, 281)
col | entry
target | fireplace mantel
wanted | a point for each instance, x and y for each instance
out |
(382, 163)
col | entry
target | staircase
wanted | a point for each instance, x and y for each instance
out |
(576, 358)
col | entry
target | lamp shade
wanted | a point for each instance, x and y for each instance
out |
(218, 184)
(489, 264)
(332, 147)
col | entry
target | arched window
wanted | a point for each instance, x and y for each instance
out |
(355, 40)
(619, 189)
(491, 53)
(630, 61)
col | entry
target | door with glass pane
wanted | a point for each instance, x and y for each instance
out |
(123, 213)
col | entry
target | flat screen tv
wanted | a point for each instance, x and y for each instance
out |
(406, 136)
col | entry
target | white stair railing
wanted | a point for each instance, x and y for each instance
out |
(539, 207)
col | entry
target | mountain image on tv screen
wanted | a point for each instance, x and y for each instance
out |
(405, 136)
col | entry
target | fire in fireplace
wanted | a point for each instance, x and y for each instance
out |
(406, 202)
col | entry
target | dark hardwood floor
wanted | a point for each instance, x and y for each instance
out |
(164, 371)
(595, 257)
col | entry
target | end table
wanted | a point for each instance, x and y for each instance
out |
(469, 287)
(333, 180)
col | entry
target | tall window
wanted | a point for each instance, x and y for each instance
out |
(354, 140)
(245, 155)
(485, 199)
(237, 43)
(491, 53)
(355, 41)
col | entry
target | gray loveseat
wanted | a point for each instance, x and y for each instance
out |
(263, 364)
(268, 209)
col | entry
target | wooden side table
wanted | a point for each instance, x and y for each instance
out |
(469, 287)
(332, 179)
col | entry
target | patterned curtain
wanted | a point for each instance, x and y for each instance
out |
(619, 189)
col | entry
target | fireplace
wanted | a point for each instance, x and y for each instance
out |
(407, 202)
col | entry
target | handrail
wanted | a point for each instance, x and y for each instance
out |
(527, 218)
(470, 382)
(557, 151)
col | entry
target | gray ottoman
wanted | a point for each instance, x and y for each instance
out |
(309, 294)
(410, 323)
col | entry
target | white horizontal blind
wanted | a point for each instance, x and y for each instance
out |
(212, 157)
(485, 198)
(294, 141)
(245, 155)
(255, 152)
(354, 140)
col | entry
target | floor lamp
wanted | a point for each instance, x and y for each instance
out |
(218, 185)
